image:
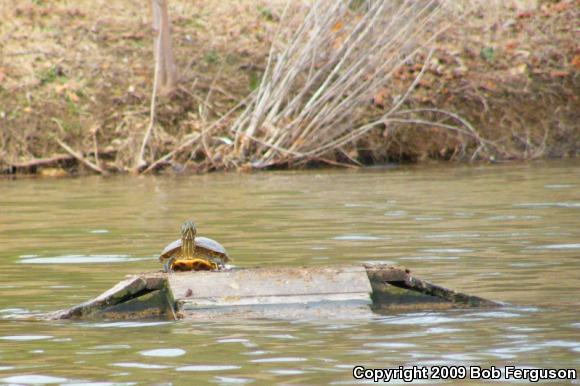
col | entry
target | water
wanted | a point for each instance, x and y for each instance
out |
(509, 233)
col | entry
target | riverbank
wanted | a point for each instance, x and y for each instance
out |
(75, 86)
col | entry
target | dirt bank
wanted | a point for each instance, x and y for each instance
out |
(76, 78)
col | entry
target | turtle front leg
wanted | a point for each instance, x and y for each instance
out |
(168, 264)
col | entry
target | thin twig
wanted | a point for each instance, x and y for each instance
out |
(96, 146)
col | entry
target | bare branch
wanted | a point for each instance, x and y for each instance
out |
(80, 157)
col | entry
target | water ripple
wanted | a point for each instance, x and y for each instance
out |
(33, 379)
(163, 352)
(281, 336)
(430, 258)
(99, 231)
(287, 372)
(138, 365)
(448, 250)
(127, 324)
(208, 368)
(25, 338)
(279, 359)
(390, 344)
(559, 186)
(561, 343)
(512, 218)
(428, 218)
(544, 205)
(396, 213)
(112, 347)
(234, 380)
(412, 319)
(356, 238)
(99, 384)
(81, 259)
(233, 340)
(556, 246)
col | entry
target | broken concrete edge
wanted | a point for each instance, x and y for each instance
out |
(133, 287)
(402, 278)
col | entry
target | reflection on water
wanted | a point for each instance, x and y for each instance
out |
(509, 233)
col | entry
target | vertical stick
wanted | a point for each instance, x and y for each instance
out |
(166, 70)
(164, 77)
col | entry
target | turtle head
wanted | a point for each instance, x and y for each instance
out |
(188, 230)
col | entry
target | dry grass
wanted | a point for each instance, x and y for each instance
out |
(81, 73)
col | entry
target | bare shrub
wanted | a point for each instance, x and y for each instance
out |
(313, 94)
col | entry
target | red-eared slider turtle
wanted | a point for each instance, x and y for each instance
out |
(193, 253)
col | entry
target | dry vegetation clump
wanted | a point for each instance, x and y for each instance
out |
(511, 70)
(76, 78)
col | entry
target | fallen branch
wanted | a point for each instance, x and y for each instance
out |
(80, 157)
(32, 164)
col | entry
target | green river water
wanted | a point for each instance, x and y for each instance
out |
(510, 233)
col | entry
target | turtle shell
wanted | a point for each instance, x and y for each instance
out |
(203, 243)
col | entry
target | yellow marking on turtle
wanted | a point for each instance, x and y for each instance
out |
(194, 265)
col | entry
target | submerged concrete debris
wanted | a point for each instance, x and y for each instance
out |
(282, 292)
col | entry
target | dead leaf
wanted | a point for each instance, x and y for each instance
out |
(489, 85)
(72, 96)
(561, 6)
(60, 88)
(559, 74)
(338, 26)
(459, 72)
(379, 99)
(246, 168)
(511, 45)
(575, 62)
(519, 69)
(424, 83)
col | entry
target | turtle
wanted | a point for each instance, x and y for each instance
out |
(193, 253)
